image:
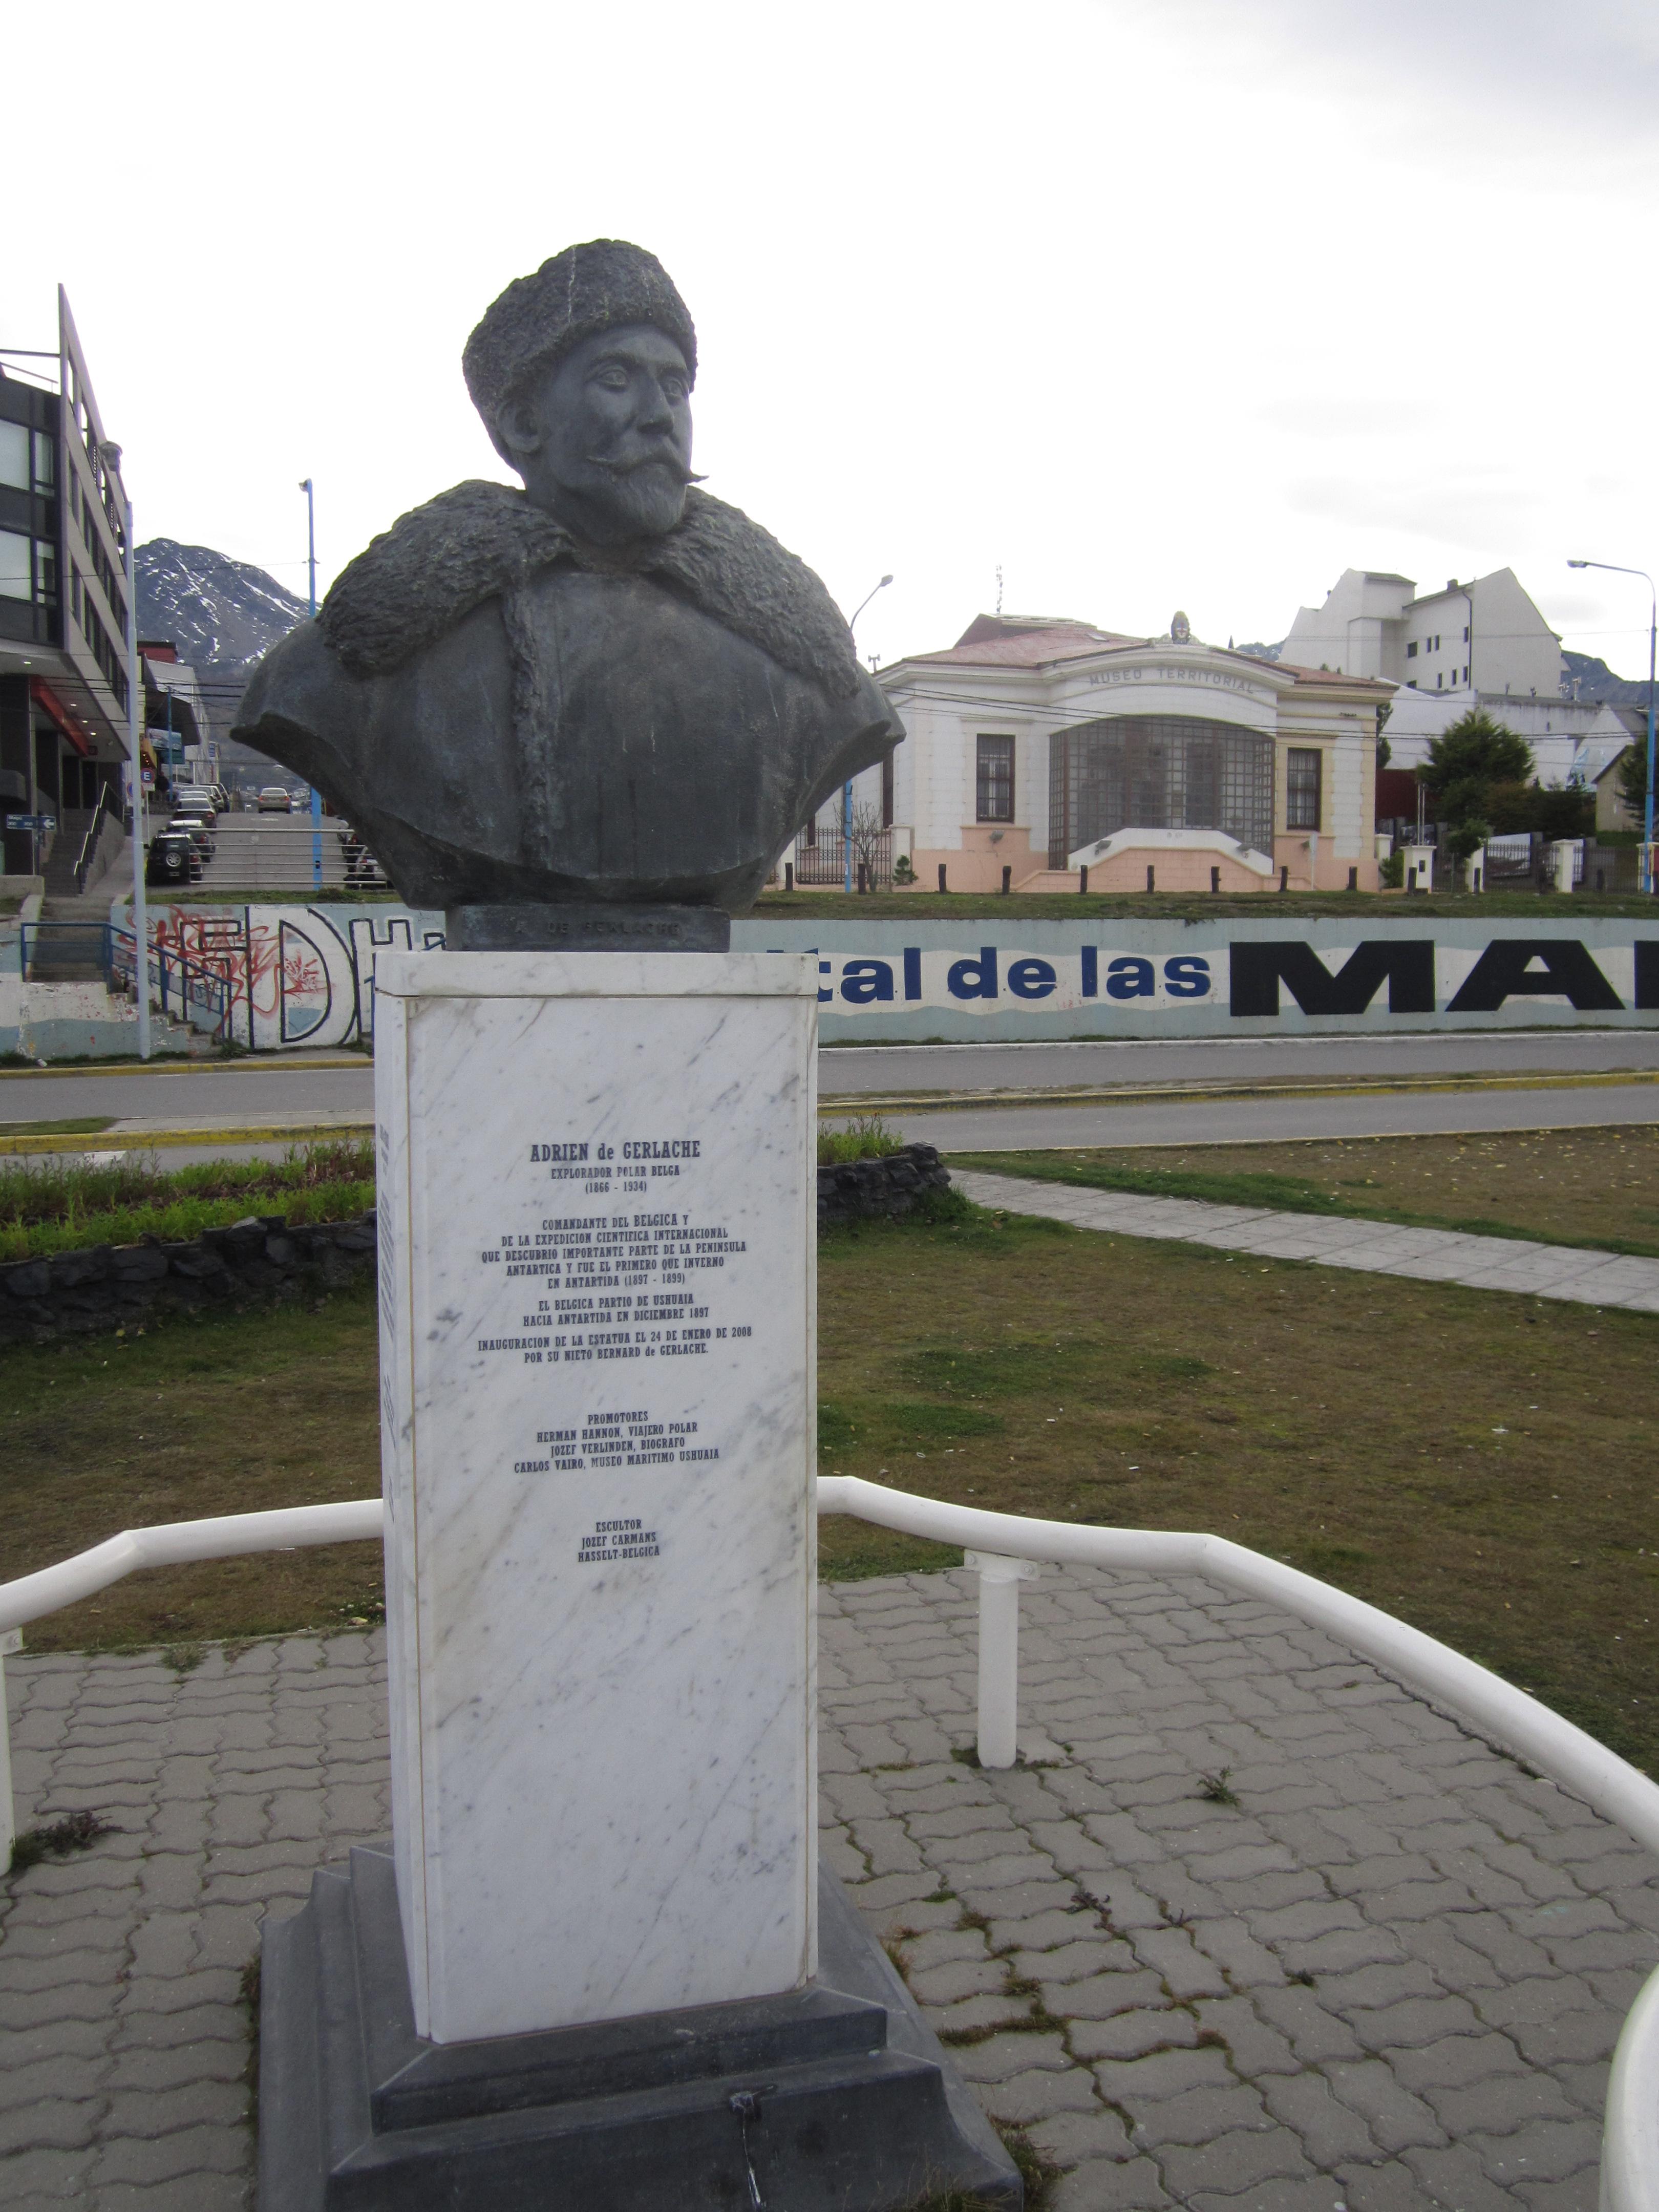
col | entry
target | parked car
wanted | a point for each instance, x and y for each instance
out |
(199, 833)
(172, 858)
(194, 799)
(363, 871)
(274, 800)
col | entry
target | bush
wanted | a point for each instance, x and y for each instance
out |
(1391, 872)
(866, 1137)
(67, 1206)
(1517, 808)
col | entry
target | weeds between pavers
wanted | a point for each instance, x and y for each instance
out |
(75, 1832)
(1478, 1464)
(63, 1205)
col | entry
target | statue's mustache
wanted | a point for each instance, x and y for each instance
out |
(665, 457)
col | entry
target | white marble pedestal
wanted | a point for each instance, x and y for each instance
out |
(596, 1205)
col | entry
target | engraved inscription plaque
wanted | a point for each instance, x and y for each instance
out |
(596, 1254)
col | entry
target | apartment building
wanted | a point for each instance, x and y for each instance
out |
(64, 667)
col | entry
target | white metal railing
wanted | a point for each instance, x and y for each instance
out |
(1004, 1549)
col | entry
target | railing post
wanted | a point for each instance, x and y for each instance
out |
(11, 1639)
(1000, 1579)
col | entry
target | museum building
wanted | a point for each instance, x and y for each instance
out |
(1042, 747)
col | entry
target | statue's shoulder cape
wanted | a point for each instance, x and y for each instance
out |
(481, 541)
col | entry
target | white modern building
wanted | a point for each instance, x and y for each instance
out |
(1479, 644)
(1485, 638)
(1042, 746)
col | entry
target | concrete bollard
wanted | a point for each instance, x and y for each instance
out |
(941, 875)
(11, 1639)
(1151, 876)
(1000, 1579)
(1082, 879)
(1007, 881)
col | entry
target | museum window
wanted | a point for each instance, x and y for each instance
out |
(1302, 787)
(1158, 772)
(1411, 650)
(994, 795)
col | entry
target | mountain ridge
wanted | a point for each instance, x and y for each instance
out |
(222, 615)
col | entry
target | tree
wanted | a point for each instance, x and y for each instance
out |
(867, 828)
(1474, 751)
(1467, 764)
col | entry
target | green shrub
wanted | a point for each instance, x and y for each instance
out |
(66, 1205)
(866, 1137)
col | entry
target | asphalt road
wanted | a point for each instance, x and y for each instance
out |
(273, 1090)
(911, 1069)
(1266, 1121)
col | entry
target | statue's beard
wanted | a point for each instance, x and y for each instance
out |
(645, 500)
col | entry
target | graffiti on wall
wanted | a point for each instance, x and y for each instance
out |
(295, 975)
(304, 975)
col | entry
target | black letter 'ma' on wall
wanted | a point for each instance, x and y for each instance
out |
(1647, 973)
(1503, 971)
(1257, 970)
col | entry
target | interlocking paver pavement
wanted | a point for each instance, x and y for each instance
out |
(1388, 1978)
(1440, 1255)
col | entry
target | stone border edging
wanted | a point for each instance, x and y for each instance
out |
(105, 1286)
(881, 1188)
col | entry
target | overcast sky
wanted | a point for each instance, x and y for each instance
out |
(1153, 303)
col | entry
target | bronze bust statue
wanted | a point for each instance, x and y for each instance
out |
(549, 710)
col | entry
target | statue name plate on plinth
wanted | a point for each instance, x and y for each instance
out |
(596, 1207)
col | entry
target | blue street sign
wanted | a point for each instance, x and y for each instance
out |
(31, 821)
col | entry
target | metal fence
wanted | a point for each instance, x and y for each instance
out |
(825, 862)
(288, 852)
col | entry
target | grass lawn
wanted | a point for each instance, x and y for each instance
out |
(1479, 1464)
(85, 1124)
(1591, 1186)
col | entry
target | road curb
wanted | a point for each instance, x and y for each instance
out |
(143, 1140)
(1155, 1094)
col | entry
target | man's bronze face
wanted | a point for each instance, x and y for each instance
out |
(603, 438)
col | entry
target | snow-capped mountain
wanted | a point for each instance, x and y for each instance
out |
(222, 615)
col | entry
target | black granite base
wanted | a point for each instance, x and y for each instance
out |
(587, 926)
(836, 2097)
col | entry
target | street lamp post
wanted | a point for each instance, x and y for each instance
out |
(1614, 568)
(846, 788)
(311, 609)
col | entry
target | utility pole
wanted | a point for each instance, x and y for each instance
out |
(111, 457)
(846, 788)
(311, 609)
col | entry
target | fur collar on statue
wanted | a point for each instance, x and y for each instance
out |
(482, 540)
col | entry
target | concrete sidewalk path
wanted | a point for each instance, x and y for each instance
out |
(1373, 1964)
(1381, 1247)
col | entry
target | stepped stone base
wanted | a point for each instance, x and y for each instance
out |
(834, 2098)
